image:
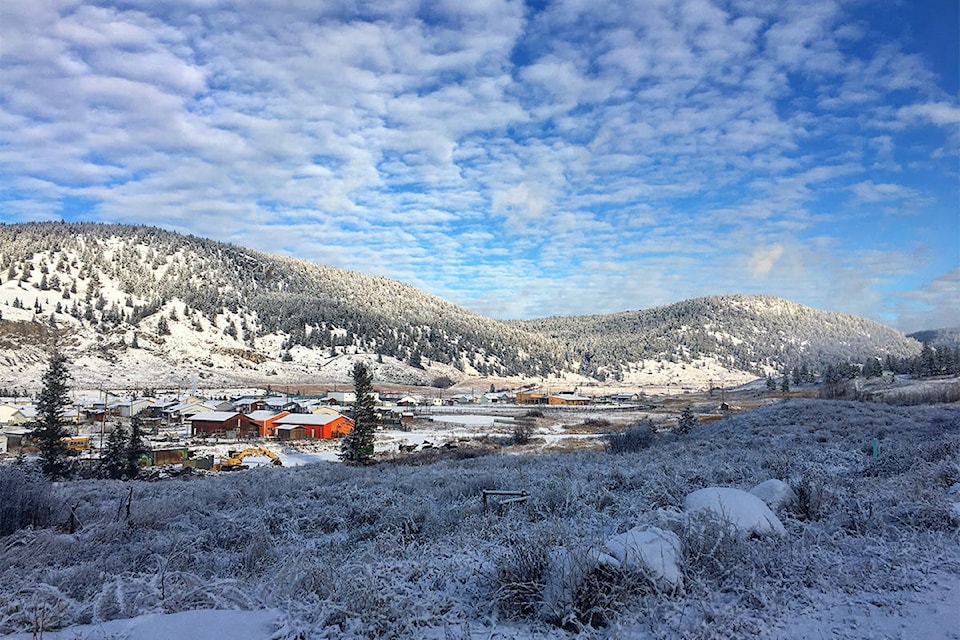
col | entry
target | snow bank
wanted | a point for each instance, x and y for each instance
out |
(744, 511)
(775, 493)
(235, 625)
(653, 550)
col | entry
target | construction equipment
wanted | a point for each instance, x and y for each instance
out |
(234, 460)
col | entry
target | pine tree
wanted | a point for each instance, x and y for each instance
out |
(357, 446)
(54, 399)
(113, 461)
(134, 449)
(687, 421)
(785, 383)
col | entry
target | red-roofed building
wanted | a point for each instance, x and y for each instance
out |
(266, 420)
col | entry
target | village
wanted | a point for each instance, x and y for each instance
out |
(222, 431)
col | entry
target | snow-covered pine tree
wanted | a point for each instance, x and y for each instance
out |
(54, 399)
(134, 449)
(357, 446)
(113, 460)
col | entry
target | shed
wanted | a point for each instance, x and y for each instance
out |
(291, 432)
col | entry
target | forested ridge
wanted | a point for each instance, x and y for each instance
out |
(127, 283)
(749, 333)
(248, 294)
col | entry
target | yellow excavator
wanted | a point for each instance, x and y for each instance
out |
(234, 460)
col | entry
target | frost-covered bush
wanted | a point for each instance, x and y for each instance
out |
(631, 439)
(407, 551)
(27, 499)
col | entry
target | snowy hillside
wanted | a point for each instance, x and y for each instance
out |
(855, 510)
(138, 307)
(758, 334)
(141, 306)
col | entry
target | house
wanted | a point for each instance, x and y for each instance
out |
(281, 403)
(341, 397)
(161, 407)
(317, 425)
(226, 423)
(130, 407)
(399, 418)
(266, 420)
(184, 410)
(249, 404)
(16, 414)
(568, 399)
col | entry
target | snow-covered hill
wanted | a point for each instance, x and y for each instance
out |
(757, 334)
(138, 307)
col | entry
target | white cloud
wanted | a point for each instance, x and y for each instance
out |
(585, 157)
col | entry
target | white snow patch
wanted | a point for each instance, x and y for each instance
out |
(208, 623)
(653, 550)
(744, 511)
(775, 493)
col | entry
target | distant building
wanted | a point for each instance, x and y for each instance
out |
(223, 423)
(568, 399)
(531, 398)
(266, 419)
(317, 425)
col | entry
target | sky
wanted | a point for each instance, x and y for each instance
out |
(520, 159)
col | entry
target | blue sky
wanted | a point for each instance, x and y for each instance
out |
(523, 160)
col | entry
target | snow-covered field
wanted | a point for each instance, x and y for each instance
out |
(869, 546)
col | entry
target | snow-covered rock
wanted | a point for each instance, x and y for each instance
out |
(655, 551)
(775, 493)
(744, 511)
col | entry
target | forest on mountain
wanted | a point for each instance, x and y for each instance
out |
(130, 285)
(749, 333)
(246, 294)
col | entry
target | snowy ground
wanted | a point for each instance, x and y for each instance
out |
(869, 549)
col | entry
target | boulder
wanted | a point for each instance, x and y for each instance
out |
(654, 551)
(775, 493)
(744, 511)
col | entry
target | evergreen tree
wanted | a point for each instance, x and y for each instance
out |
(113, 462)
(771, 383)
(54, 399)
(134, 449)
(163, 329)
(358, 444)
(687, 421)
(785, 383)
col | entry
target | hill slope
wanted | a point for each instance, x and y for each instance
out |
(138, 306)
(759, 334)
(938, 338)
(179, 303)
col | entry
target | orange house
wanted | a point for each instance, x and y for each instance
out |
(266, 420)
(318, 425)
